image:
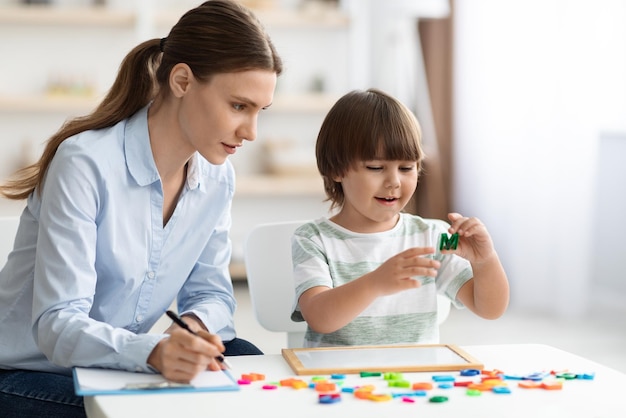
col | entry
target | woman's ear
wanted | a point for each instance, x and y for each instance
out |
(180, 79)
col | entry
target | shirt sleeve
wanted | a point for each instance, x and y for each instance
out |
(310, 268)
(208, 291)
(65, 277)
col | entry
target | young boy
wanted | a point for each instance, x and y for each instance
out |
(370, 274)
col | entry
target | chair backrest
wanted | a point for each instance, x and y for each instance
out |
(267, 256)
(8, 229)
(269, 271)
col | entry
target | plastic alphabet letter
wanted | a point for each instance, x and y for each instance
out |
(449, 243)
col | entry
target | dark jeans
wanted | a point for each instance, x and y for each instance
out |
(25, 393)
(240, 347)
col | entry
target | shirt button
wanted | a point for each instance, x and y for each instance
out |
(150, 275)
(139, 318)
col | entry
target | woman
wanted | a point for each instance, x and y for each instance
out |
(129, 208)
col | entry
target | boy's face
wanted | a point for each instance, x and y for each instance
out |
(374, 193)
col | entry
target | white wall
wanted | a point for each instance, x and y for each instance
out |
(538, 83)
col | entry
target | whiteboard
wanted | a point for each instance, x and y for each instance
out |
(389, 358)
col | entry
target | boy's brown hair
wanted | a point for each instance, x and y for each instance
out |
(363, 126)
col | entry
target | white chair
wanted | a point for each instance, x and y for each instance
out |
(267, 256)
(8, 229)
(269, 271)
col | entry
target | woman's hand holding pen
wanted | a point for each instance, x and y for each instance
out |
(190, 322)
(184, 355)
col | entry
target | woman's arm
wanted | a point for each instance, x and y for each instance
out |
(65, 302)
(208, 293)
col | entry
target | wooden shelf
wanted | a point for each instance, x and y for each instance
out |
(237, 271)
(275, 19)
(298, 103)
(60, 16)
(288, 186)
(110, 17)
(48, 103)
(323, 19)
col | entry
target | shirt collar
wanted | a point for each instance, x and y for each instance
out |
(139, 158)
(193, 172)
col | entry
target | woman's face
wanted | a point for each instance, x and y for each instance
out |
(218, 116)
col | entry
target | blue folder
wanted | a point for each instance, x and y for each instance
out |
(93, 381)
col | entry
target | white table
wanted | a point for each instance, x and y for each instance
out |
(601, 397)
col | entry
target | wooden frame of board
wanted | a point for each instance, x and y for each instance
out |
(383, 358)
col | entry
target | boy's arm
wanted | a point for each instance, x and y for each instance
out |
(327, 310)
(487, 293)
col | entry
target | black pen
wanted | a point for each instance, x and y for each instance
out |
(184, 325)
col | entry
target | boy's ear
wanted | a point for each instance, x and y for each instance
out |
(181, 77)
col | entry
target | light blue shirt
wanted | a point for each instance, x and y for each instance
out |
(93, 268)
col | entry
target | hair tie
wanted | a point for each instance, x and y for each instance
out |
(162, 44)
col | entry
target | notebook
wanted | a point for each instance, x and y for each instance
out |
(93, 381)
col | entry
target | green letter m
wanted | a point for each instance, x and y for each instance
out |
(448, 243)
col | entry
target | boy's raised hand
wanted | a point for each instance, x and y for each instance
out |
(397, 273)
(475, 243)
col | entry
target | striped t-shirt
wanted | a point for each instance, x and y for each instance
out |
(325, 254)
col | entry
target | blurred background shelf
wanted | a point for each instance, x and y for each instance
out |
(67, 56)
(276, 18)
(274, 185)
(237, 271)
(283, 102)
(326, 18)
(65, 16)
(47, 103)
